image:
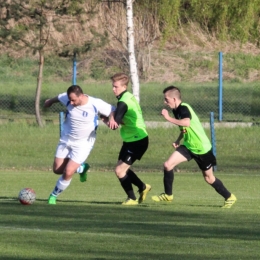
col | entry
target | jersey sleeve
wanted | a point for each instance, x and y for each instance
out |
(63, 98)
(120, 111)
(184, 112)
(103, 107)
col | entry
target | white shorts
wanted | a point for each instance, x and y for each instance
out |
(77, 150)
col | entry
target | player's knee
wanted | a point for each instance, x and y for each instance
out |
(56, 171)
(167, 166)
(119, 173)
(209, 179)
(209, 176)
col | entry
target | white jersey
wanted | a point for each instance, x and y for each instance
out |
(81, 121)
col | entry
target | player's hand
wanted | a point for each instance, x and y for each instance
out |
(113, 124)
(165, 113)
(47, 103)
(176, 144)
(104, 119)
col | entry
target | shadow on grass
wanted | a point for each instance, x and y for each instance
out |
(8, 198)
(149, 219)
(15, 199)
(107, 228)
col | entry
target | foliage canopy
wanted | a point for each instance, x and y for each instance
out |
(225, 19)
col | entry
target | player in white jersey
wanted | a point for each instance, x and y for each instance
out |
(78, 136)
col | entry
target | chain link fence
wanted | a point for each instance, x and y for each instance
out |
(240, 103)
(237, 135)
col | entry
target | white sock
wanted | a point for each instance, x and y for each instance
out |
(80, 168)
(61, 185)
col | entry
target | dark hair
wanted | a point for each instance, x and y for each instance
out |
(77, 90)
(173, 91)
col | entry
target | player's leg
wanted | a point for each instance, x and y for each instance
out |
(82, 170)
(143, 188)
(206, 163)
(60, 161)
(68, 159)
(217, 184)
(180, 155)
(129, 153)
(64, 181)
(80, 152)
(59, 165)
(61, 158)
(125, 181)
(136, 151)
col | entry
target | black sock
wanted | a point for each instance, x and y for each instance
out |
(127, 186)
(168, 181)
(221, 189)
(135, 180)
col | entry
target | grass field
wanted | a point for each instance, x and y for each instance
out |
(26, 146)
(240, 103)
(88, 221)
(18, 80)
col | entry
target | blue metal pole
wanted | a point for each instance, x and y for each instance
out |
(74, 77)
(213, 139)
(61, 120)
(220, 88)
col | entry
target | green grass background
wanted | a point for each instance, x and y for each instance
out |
(25, 146)
(239, 104)
(18, 86)
(89, 222)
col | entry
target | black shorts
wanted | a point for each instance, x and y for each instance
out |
(205, 161)
(132, 151)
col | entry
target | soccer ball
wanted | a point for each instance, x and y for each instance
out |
(27, 196)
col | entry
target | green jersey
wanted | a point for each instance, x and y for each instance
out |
(132, 127)
(195, 138)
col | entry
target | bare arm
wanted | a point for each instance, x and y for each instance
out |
(180, 122)
(177, 142)
(116, 117)
(49, 102)
(110, 121)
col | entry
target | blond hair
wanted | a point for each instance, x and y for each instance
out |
(120, 77)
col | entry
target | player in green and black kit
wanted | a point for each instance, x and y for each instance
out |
(196, 145)
(135, 138)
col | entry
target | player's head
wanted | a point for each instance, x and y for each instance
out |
(75, 95)
(119, 82)
(172, 96)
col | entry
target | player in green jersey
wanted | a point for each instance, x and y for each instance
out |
(133, 132)
(196, 145)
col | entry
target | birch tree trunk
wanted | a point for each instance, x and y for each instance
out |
(38, 90)
(131, 50)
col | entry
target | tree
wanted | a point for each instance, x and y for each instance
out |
(40, 27)
(126, 40)
(131, 50)
(152, 21)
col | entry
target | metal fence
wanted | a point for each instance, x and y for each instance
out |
(236, 135)
(240, 102)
